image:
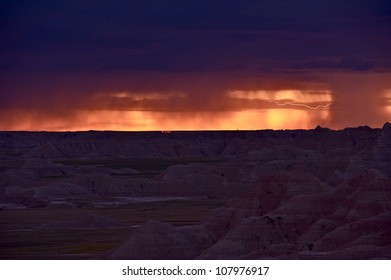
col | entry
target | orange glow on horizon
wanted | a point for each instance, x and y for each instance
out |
(140, 96)
(284, 109)
(157, 121)
(305, 96)
(387, 97)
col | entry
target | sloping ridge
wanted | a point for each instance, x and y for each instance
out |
(280, 219)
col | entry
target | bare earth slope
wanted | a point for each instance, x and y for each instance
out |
(316, 194)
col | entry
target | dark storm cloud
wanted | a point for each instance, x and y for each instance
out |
(189, 35)
(57, 55)
(343, 64)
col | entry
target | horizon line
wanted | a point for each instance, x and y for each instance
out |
(185, 130)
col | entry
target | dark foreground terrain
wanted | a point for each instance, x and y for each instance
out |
(298, 194)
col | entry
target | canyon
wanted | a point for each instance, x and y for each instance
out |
(264, 194)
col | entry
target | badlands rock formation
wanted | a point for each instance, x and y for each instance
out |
(299, 194)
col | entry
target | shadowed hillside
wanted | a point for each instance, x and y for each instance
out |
(293, 194)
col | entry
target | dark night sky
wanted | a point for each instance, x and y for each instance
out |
(136, 65)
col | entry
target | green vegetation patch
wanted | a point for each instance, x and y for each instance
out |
(141, 165)
(23, 237)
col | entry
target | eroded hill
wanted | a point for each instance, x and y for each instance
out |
(299, 194)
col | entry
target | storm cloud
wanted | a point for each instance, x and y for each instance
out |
(60, 58)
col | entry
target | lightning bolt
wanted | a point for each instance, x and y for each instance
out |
(319, 107)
